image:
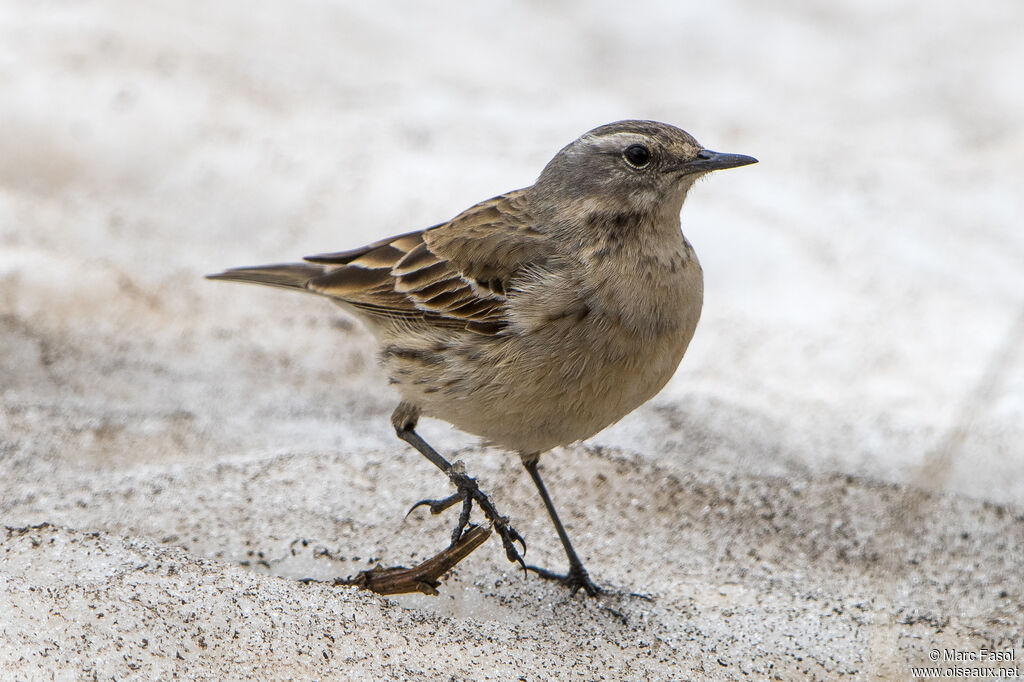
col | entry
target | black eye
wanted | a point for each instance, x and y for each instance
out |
(637, 155)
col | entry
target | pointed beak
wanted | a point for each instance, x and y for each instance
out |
(708, 160)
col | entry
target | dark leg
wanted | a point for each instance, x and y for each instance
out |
(577, 577)
(404, 420)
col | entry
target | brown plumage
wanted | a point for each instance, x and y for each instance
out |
(539, 317)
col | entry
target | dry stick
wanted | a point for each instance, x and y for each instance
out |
(424, 577)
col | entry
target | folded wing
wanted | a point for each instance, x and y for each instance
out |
(457, 274)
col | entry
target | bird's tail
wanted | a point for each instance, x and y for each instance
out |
(287, 275)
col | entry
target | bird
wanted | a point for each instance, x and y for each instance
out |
(538, 317)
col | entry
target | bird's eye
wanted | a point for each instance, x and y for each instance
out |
(637, 155)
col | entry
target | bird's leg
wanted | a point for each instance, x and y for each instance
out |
(404, 420)
(577, 577)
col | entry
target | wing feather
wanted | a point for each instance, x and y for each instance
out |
(457, 274)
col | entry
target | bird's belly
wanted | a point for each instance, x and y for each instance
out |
(533, 393)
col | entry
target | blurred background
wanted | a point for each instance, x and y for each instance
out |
(865, 282)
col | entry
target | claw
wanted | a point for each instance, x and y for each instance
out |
(436, 506)
(577, 578)
(516, 537)
(467, 507)
(468, 492)
(509, 536)
(513, 536)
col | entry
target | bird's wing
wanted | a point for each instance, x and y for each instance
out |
(456, 274)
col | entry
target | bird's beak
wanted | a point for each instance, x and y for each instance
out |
(708, 160)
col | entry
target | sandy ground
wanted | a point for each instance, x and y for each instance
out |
(832, 485)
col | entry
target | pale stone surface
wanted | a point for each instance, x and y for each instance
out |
(833, 483)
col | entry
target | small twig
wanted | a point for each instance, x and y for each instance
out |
(424, 577)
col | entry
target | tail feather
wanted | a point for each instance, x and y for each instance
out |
(287, 275)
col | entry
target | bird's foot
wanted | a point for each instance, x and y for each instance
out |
(468, 492)
(576, 579)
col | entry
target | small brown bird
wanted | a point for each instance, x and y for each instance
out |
(539, 317)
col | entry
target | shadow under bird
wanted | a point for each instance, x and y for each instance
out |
(539, 317)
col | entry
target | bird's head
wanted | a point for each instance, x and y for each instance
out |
(635, 166)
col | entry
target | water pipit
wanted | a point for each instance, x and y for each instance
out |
(539, 317)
